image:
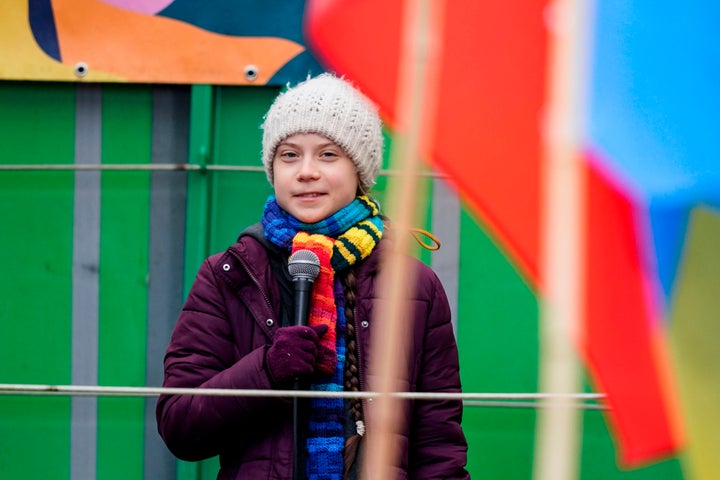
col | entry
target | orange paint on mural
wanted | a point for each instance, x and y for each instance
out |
(23, 59)
(147, 48)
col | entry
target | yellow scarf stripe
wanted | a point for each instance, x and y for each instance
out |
(357, 243)
(371, 229)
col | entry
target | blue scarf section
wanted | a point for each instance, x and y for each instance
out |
(326, 435)
(281, 227)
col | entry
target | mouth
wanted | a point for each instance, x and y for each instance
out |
(308, 195)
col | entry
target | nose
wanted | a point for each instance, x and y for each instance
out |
(308, 168)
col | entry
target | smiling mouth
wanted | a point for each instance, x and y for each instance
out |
(309, 195)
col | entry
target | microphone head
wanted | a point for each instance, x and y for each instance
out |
(304, 264)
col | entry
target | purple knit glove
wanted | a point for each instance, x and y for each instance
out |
(293, 352)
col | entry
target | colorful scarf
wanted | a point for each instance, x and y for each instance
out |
(340, 240)
(356, 229)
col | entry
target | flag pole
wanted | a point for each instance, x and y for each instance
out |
(414, 110)
(559, 425)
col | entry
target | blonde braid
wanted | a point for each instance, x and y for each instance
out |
(352, 379)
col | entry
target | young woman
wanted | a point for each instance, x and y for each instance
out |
(322, 150)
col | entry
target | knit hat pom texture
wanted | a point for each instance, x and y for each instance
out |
(332, 107)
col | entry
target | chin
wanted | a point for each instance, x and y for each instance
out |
(309, 219)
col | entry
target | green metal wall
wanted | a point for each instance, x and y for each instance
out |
(95, 265)
(36, 211)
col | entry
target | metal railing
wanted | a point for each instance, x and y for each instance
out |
(178, 167)
(591, 401)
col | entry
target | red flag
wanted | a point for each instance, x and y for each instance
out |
(487, 138)
(622, 338)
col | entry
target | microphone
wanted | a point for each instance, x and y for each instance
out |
(304, 267)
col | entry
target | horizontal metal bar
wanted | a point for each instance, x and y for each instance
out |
(471, 399)
(180, 167)
(101, 166)
(535, 405)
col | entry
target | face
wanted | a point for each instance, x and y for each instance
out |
(312, 177)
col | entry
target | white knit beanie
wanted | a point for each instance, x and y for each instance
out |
(332, 107)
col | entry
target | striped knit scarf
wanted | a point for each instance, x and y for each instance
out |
(344, 238)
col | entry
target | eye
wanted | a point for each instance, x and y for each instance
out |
(287, 155)
(328, 155)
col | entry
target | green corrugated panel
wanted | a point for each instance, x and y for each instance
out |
(37, 124)
(124, 242)
(497, 338)
(238, 197)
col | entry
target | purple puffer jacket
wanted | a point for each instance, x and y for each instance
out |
(229, 318)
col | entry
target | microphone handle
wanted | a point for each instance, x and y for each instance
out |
(303, 292)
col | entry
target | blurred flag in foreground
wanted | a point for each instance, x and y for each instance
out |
(651, 173)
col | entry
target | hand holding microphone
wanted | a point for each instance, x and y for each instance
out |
(294, 350)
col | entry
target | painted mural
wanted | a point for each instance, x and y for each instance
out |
(224, 42)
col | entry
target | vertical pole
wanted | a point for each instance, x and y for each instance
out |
(562, 242)
(415, 101)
